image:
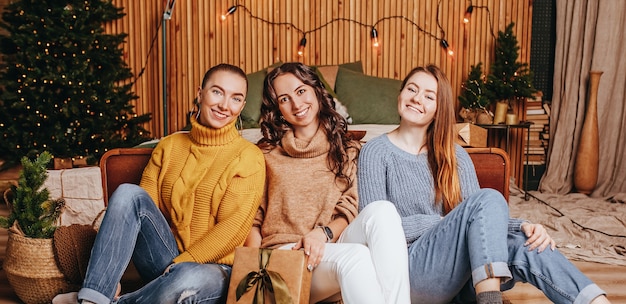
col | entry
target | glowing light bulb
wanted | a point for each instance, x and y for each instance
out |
(374, 35)
(468, 14)
(230, 11)
(302, 46)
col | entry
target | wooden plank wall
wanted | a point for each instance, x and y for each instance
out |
(337, 32)
(262, 32)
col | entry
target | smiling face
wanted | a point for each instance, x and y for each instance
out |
(417, 102)
(297, 103)
(221, 99)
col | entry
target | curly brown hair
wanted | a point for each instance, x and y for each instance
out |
(335, 126)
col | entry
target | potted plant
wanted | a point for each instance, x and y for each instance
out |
(473, 98)
(509, 80)
(30, 263)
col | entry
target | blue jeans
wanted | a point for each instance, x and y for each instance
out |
(474, 242)
(134, 228)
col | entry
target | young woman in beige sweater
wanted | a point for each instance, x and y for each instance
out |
(311, 200)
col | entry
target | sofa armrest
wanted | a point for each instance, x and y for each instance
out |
(122, 165)
(492, 168)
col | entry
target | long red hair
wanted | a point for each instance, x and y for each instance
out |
(441, 141)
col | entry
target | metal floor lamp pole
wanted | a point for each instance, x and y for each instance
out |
(167, 15)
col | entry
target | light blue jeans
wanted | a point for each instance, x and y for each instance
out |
(133, 227)
(474, 242)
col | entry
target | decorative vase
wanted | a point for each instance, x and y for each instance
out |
(586, 165)
(502, 107)
(512, 119)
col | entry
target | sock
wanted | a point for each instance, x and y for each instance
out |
(66, 298)
(489, 297)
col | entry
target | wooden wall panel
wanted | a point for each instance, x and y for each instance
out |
(262, 32)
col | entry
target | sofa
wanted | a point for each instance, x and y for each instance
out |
(125, 165)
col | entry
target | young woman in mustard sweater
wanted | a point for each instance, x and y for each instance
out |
(196, 202)
(311, 200)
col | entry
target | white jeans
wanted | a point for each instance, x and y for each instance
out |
(369, 262)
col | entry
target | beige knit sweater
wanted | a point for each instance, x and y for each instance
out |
(301, 192)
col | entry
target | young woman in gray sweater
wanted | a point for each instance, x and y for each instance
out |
(463, 247)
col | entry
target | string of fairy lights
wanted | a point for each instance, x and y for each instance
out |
(373, 31)
(468, 16)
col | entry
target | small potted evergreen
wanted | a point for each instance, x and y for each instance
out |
(30, 263)
(473, 98)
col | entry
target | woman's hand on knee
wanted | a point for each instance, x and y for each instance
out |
(537, 237)
(313, 244)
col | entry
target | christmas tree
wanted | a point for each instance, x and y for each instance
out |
(32, 208)
(64, 86)
(509, 79)
(473, 93)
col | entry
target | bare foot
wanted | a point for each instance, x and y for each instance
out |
(66, 298)
(117, 292)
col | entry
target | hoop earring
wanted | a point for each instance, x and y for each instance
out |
(196, 104)
(239, 125)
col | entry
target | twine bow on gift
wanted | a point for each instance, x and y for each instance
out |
(265, 279)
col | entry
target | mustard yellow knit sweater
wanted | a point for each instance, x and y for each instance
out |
(208, 183)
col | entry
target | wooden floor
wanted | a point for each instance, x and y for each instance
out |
(610, 278)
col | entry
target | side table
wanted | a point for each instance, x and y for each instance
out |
(507, 128)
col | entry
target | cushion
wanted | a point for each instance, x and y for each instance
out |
(356, 66)
(370, 100)
(252, 111)
(328, 74)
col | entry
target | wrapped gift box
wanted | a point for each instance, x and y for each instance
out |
(289, 264)
(82, 190)
(471, 135)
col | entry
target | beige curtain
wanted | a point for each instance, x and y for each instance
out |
(591, 35)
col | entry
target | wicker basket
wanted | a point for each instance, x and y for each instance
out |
(31, 269)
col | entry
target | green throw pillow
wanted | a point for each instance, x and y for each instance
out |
(356, 66)
(370, 100)
(252, 111)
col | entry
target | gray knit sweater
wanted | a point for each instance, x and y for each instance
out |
(385, 172)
